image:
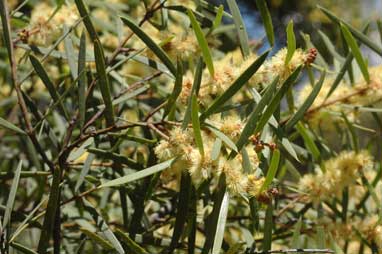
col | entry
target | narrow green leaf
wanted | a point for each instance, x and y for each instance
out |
(53, 202)
(177, 89)
(10, 126)
(158, 51)
(196, 125)
(346, 66)
(254, 211)
(213, 8)
(104, 227)
(5, 21)
(268, 224)
(202, 43)
(254, 117)
(47, 82)
(291, 42)
(359, 35)
(86, 19)
(275, 102)
(272, 170)
(307, 103)
(224, 138)
(182, 209)
(235, 87)
(69, 51)
(97, 239)
(287, 145)
(222, 219)
(22, 248)
(194, 90)
(296, 235)
(12, 196)
(330, 46)
(246, 162)
(131, 245)
(82, 79)
(84, 171)
(267, 20)
(379, 25)
(27, 219)
(218, 18)
(115, 157)
(240, 27)
(320, 237)
(103, 82)
(215, 151)
(138, 175)
(356, 52)
(308, 141)
(213, 218)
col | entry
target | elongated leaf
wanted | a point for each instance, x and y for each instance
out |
(218, 18)
(194, 90)
(330, 46)
(84, 171)
(309, 142)
(213, 8)
(70, 55)
(346, 66)
(268, 224)
(202, 43)
(307, 103)
(53, 202)
(158, 51)
(12, 196)
(291, 42)
(115, 157)
(272, 170)
(213, 219)
(97, 239)
(224, 138)
(267, 20)
(131, 245)
(82, 79)
(177, 89)
(103, 83)
(22, 248)
(104, 227)
(5, 21)
(240, 27)
(196, 125)
(47, 82)
(277, 99)
(10, 126)
(216, 149)
(359, 35)
(356, 52)
(296, 235)
(222, 219)
(138, 175)
(254, 117)
(86, 19)
(235, 87)
(27, 219)
(182, 209)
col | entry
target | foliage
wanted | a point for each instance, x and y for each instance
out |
(127, 127)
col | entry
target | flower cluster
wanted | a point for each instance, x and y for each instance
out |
(336, 174)
(46, 26)
(231, 66)
(181, 144)
(325, 112)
